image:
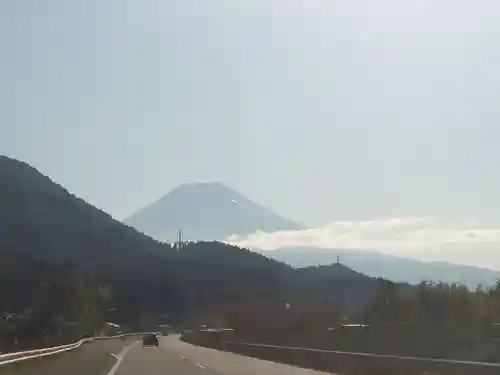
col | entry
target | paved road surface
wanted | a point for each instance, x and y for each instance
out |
(178, 358)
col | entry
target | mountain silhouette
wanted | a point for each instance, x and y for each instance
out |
(43, 227)
(206, 211)
(42, 224)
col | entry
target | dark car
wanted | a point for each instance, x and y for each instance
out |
(150, 340)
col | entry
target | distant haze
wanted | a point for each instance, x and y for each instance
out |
(323, 110)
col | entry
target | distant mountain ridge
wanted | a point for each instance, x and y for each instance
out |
(212, 211)
(206, 211)
(376, 264)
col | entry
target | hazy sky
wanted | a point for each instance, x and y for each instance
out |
(323, 110)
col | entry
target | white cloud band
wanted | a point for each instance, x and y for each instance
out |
(420, 238)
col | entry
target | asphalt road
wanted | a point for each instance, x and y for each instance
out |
(179, 358)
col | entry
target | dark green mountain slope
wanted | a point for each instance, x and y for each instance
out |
(41, 220)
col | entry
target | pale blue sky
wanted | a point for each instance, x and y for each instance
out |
(322, 110)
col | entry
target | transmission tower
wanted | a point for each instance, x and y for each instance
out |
(179, 243)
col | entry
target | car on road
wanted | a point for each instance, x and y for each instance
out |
(150, 340)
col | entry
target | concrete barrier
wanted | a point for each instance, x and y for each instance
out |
(346, 362)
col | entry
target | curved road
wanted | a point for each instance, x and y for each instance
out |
(179, 358)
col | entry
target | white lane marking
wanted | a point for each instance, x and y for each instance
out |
(197, 364)
(119, 357)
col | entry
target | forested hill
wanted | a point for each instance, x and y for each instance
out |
(40, 217)
(42, 220)
(45, 230)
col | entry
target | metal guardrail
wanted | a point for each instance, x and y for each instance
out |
(10, 358)
(7, 356)
(373, 355)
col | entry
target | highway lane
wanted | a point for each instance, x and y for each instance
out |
(159, 361)
(179, 358)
